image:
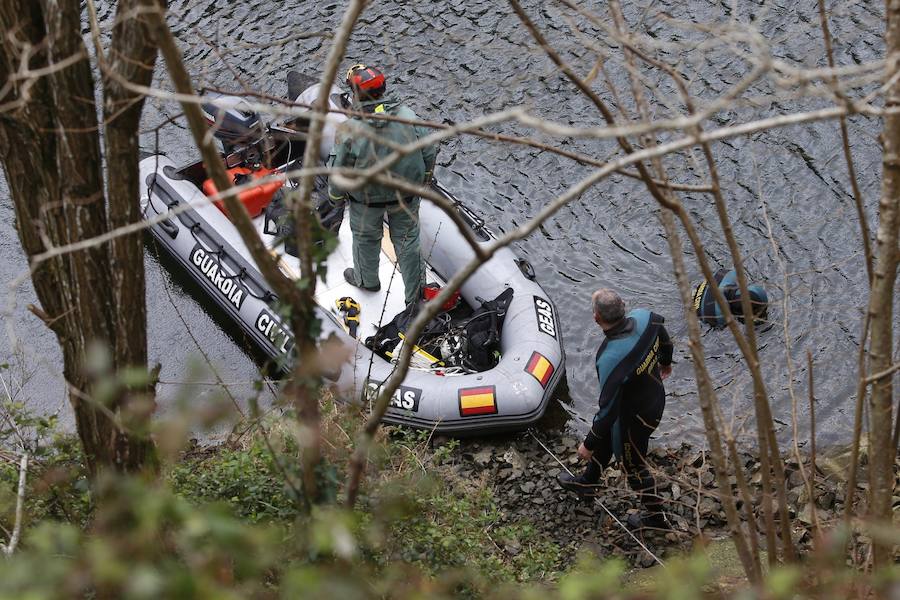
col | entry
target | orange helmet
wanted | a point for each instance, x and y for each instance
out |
(366, 82)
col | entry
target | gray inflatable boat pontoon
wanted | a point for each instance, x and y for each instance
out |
(511, 395)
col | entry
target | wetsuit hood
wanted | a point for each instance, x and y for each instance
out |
(759, 300)
(758, 294)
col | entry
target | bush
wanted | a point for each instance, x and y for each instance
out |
(247, 481)
(228, 523)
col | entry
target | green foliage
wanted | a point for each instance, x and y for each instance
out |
(57, 486)
(171, 549)
(246, 481)
(227, 522)
(589, 578)
(426, 521)
(443, 452)
(16, 418)
(684, 578)
(441, 524)
(782, 582)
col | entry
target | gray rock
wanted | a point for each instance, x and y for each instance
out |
(826, 500)
(522, 476)
(647, 561)
(659, 453)
(484, 456)
(805, 514)
(515, 459)
(802, 495)
(695, 459)
(707, 507)
(595, 548)
(678, 521)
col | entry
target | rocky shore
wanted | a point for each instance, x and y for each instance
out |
(522, 475)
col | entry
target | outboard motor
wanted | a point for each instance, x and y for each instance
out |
(232, 122)
(248, 151)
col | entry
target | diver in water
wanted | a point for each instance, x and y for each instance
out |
(711, 313)
(634, 358)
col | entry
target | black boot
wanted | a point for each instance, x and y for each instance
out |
(648, 520)
(579, 484)
(351, 278)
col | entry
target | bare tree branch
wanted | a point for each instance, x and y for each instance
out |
(9, 548)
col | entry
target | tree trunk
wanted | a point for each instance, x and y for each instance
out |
(881, 303)
(51, 156)
(131, 59)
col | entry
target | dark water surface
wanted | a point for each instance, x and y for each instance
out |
(454, 61)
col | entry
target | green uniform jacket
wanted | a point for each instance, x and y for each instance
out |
(357, 146)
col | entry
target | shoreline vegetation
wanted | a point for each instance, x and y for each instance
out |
(480, 517)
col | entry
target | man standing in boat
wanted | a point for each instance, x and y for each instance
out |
(360, 142)
(634, 358)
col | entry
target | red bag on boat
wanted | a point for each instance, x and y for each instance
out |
(256, 198)
(431, 291)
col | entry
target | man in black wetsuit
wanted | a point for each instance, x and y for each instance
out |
(634, 358)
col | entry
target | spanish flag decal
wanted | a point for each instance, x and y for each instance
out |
(540, 368)
(477, 401)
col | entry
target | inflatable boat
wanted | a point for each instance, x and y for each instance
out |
(443, 390)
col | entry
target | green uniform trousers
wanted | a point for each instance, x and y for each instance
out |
(367, 225)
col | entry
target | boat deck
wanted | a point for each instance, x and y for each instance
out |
(376, 308)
